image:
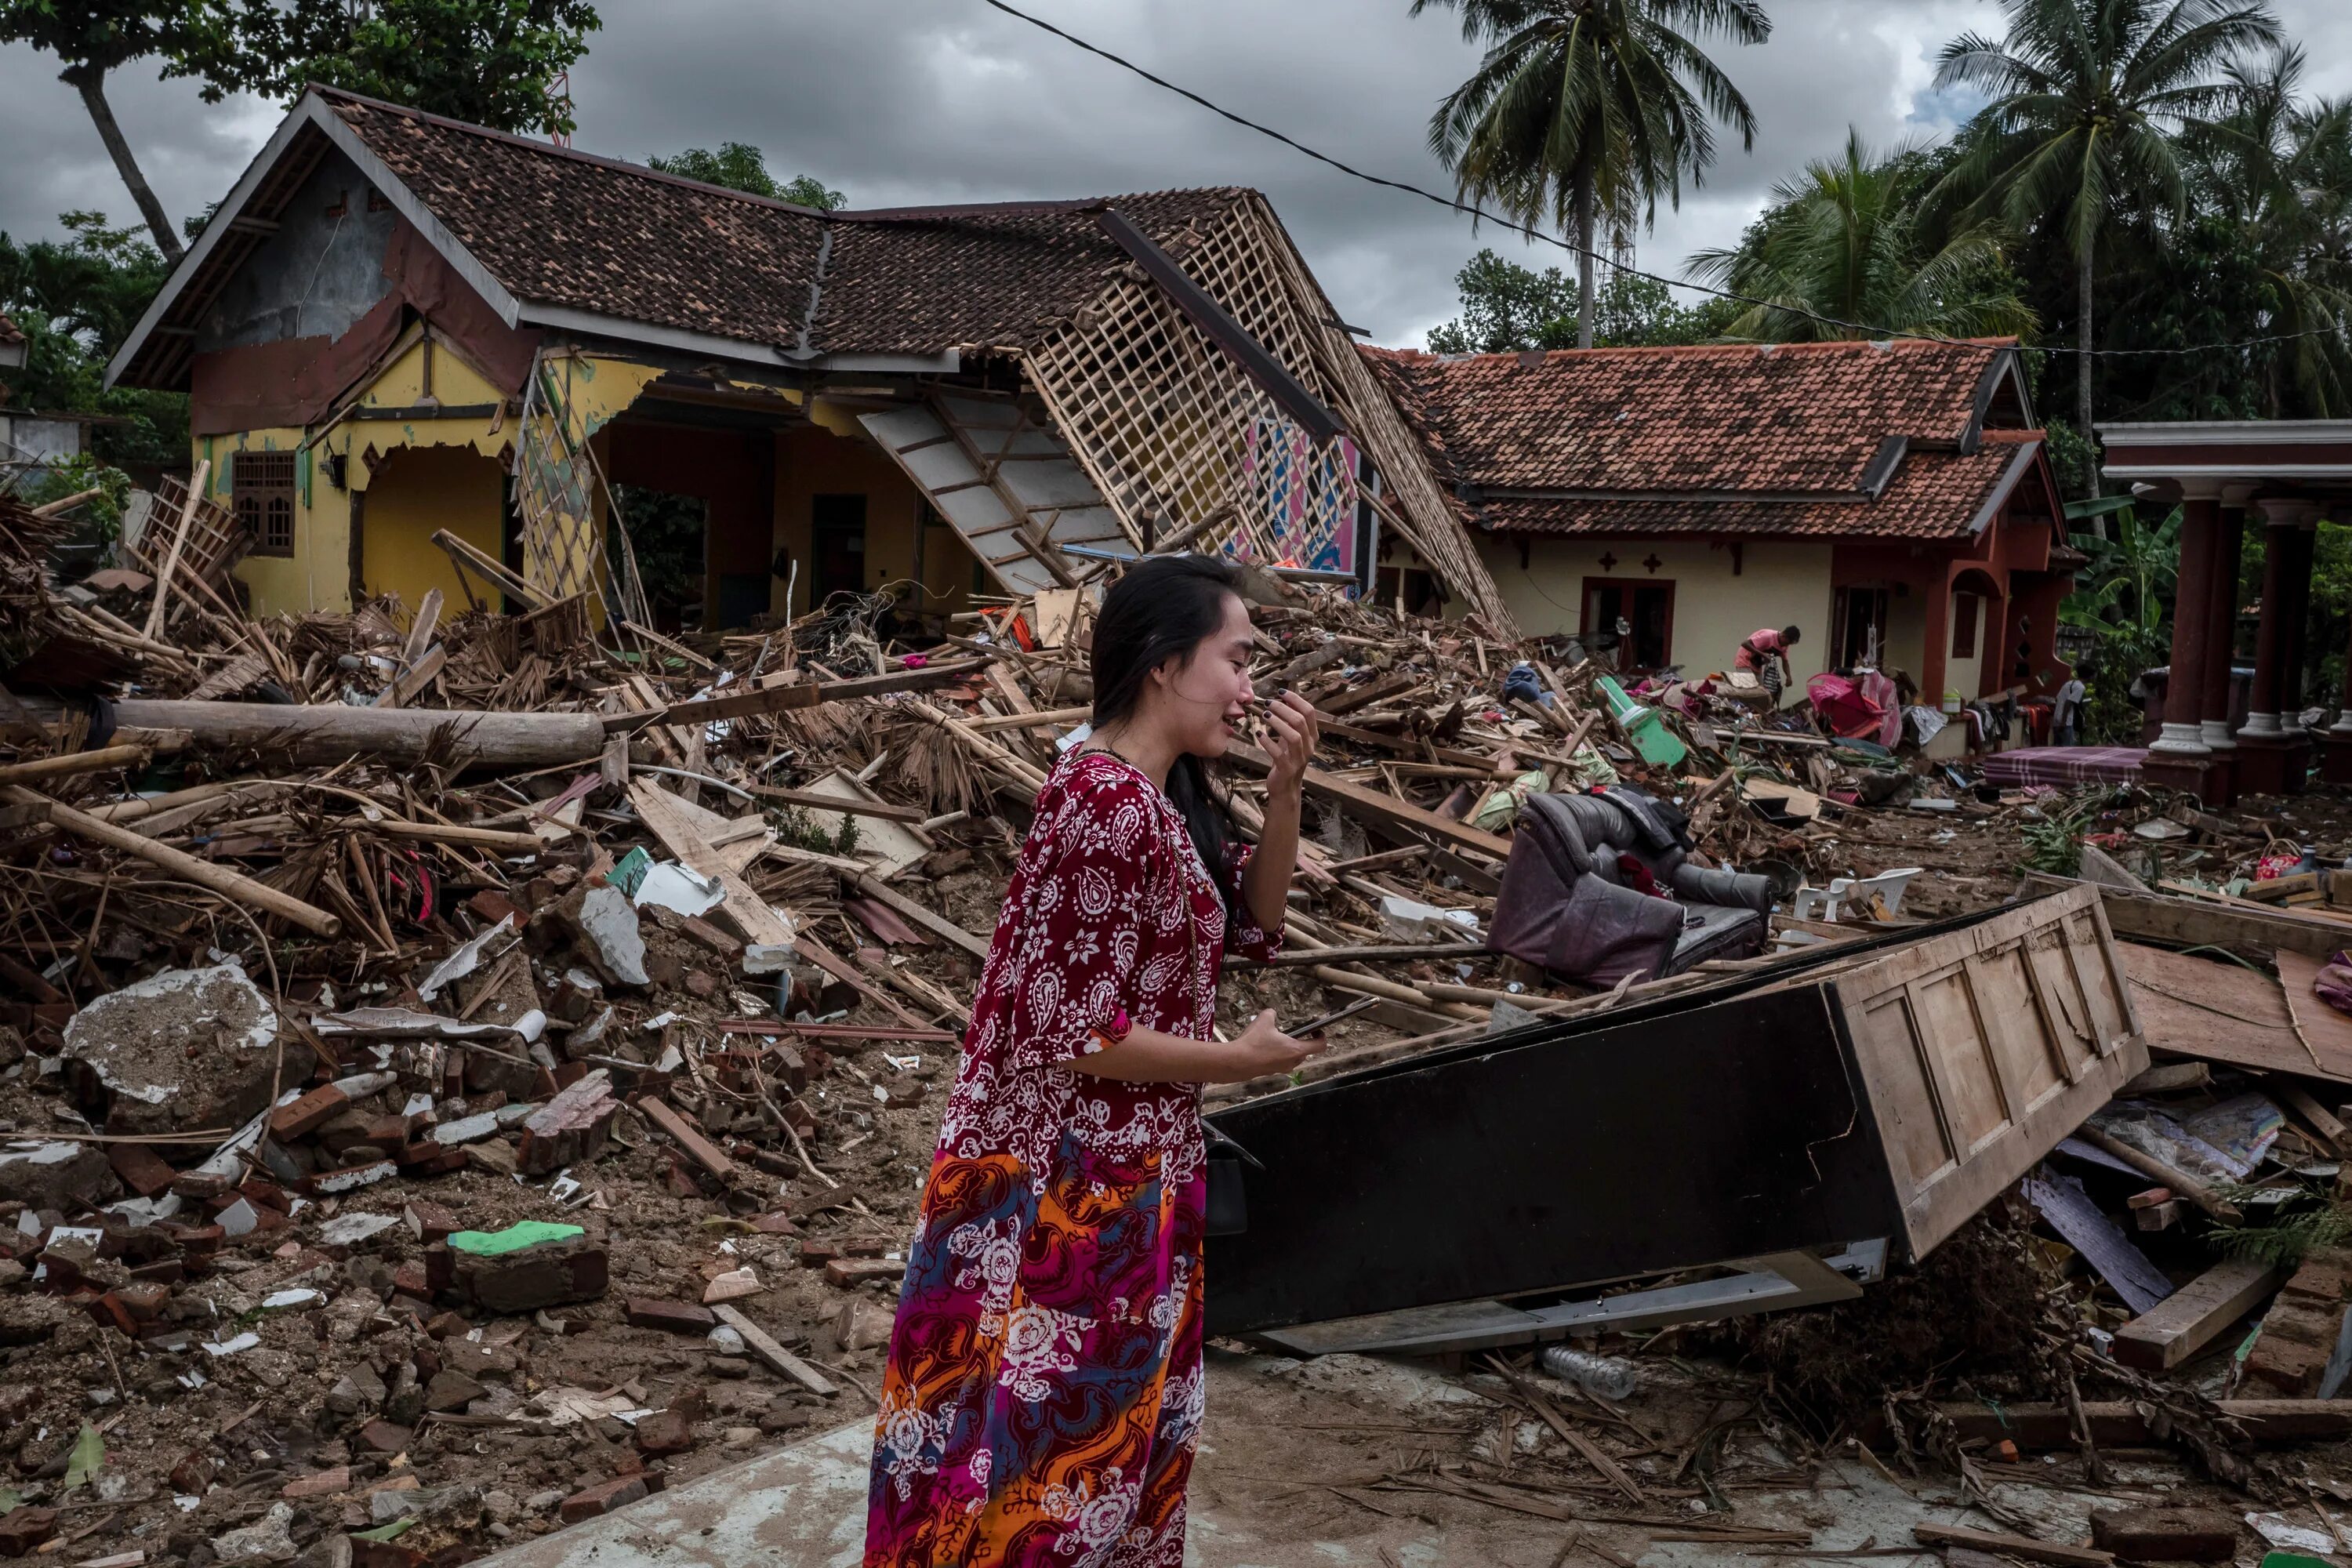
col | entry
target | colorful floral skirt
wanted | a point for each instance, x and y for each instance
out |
(1043, 1394)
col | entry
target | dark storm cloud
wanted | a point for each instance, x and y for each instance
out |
(926, 100)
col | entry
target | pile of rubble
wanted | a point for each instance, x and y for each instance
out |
(460, 1074)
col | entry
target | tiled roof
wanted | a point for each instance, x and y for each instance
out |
(1934, 495)
(559, 227)
(1731, 439)
(9, 331)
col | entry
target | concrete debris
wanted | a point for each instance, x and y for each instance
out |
(182, 1048)
(52, 1175)
(269, 1541)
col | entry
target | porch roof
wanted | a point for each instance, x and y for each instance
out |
(1904, 440)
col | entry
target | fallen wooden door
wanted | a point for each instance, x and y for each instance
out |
(1980, 1049)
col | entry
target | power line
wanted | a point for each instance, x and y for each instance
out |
(1472, 209)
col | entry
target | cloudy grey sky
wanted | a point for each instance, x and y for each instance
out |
(926, 100)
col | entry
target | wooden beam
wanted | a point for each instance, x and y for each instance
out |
(1319, 422)
(2185, 1321)
(1382, 808)
(664, 816)
(930, 919)
(810, 693)
(1928, 1533)
(69, 762)
(763, 1345)
(850, 804)
(2248, 929)
(206, 874)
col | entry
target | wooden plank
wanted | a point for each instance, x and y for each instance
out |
(2219, 1012)
(2187, 1320)
(664, 816)
(2248, 929)
(698, 1149)
(811, 693)
(930, 919)
(2324, 1034)
(764, 1344)
(1957, 1040)
(1382, 808)
(853, 807)
(833, 963)
(1928, 1533)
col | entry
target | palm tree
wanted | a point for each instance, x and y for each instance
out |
(2278, 171)
(2087, 97)
(1845, 239)
(1587, 108)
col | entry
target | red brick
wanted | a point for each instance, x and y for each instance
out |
(680, 1317)
(142, 1170)
(300, 1117)
(602, 1497)
(846, 1271)
(23, 1529)
(665, 1431)
(385, 1437)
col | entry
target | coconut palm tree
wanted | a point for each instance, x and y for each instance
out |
(1846, 240)
(2278, 171)
(2086, 97)
(1583, 110)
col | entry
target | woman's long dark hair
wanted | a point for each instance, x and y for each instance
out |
(1164, 608)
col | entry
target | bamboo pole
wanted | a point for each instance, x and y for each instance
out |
(228, 884)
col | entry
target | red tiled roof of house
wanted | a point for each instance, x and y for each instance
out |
(559, 227)
(9, 331)
(1788, 440)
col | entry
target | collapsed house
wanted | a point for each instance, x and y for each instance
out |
(1892, 500)
(391, 314)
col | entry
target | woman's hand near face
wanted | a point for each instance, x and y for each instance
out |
(1290, 734)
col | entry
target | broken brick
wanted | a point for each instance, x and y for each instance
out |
(430, 1222)
(573, 1126)
(139, 1168)
(680, 1317)
(600, 1499)
(300, 1117)
(384, 1437)
(851, 1271)
(523, 1280)
(22, 1530)
(665, 1431)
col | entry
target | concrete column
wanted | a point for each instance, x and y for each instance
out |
(2294, 649)
(2201, 528)
(2221, 610)
(2282, 528)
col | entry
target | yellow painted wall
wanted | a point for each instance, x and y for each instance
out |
(395, 556)
(417, 492)
(1778, 584)
(837, 459)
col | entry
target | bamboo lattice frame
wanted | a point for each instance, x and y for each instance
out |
(558, 488)
(1162, 418)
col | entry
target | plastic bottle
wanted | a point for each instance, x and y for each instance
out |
(1602, 1377)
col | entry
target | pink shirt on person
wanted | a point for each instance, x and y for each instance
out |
(1765, 642)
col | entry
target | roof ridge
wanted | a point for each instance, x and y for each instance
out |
(1689, 351)
(551, 149)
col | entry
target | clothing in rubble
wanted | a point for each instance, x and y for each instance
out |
(1044, 1393)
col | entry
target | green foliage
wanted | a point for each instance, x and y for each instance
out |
(666, 532)
(796, 826)
(101, 515)
(86, 1459)
(2304, 1224)
(740, 166)
(100, 35)
(2122, 598)
(2053, 845)
(1586, 112)
(75, 300)
(1507, 307)
(2074, 456)
(491, 62)
(1849, 238)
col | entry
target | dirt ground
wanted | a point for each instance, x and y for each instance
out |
(315, 1423)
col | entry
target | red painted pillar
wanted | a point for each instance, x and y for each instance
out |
(2221, 621)
(2294, 643)
(2270, 634)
